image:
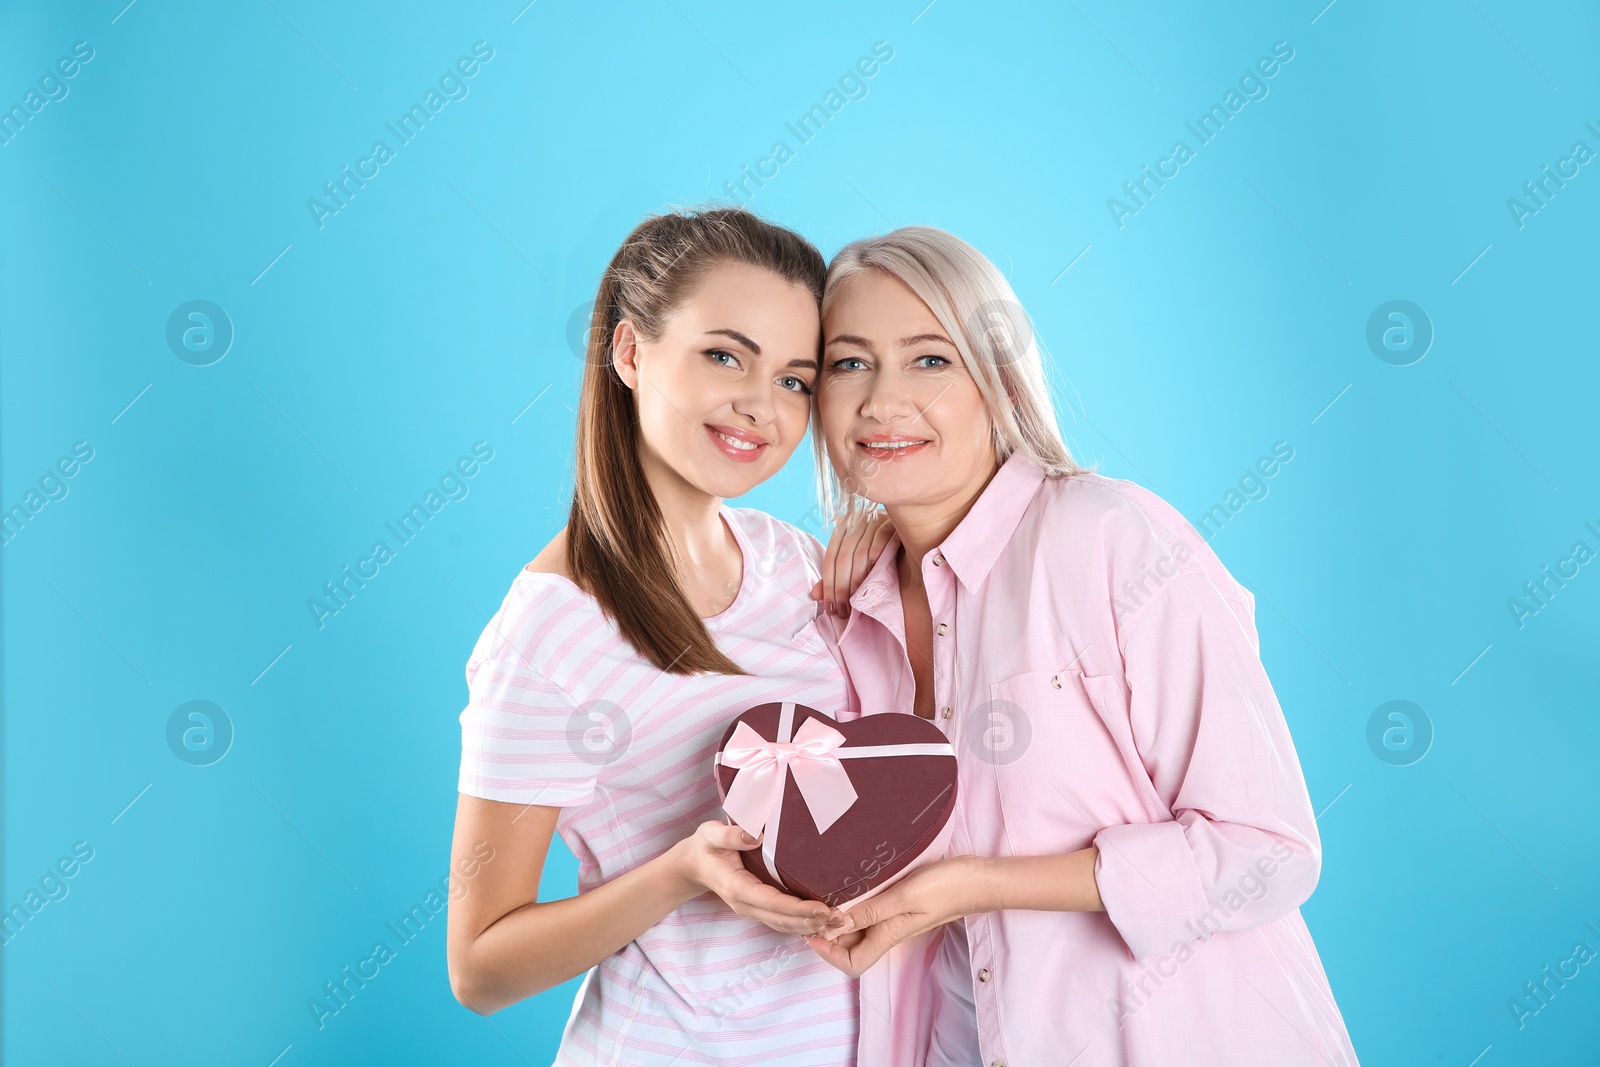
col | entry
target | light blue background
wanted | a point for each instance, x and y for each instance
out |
(1225, 316)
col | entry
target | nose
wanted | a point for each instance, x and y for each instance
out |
(888, 399)
(755, 400)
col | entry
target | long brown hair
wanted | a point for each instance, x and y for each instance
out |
(618, 548)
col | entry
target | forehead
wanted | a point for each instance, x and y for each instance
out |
(752, 300)
(876, 304)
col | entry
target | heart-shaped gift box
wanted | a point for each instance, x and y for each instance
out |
(848, 808)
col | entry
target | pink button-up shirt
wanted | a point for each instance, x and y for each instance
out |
(1099, 671)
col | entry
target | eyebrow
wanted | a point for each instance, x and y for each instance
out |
(810, 364)
(741, 338)
(905, 342)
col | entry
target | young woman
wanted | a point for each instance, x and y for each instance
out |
(1133, 836)
(599, 690)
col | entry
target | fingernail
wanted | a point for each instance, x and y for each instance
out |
(745, 838)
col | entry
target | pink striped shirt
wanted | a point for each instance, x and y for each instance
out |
(563, 712)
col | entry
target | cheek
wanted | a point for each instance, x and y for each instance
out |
(661, 419)
(653, 434)
(794, 418)
(833, 414)
(679, 389)
(960, 418)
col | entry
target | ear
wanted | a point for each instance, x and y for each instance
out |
(625, 353)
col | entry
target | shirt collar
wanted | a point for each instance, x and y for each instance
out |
(984, 532)
(977, 541)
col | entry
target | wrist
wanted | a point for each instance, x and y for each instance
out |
(679, 870)
(981, 879)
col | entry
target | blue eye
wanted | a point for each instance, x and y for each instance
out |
(795, 385)
(839, 364)
(732, 360)
(942, 362)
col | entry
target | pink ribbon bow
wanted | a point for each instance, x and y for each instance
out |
(756, 793)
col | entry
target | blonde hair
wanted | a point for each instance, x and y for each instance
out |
(978, 310)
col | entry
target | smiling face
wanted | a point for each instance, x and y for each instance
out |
(724, 394)
(904, 422)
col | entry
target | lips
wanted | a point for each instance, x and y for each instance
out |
(740, 446)
(891, 447)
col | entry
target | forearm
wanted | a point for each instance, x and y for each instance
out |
(541, 945)
(1063, 882)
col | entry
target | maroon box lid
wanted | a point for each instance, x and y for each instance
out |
(903, 802)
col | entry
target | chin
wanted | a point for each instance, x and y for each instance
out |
(728, 483)
(890, 490)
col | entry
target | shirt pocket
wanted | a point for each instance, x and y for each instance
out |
(1060, 748)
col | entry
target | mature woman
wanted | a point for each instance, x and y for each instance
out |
(1133, 836)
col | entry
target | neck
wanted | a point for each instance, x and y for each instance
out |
(692, 519)
(923, 525)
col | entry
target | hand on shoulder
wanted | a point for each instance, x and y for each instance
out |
(851, 552)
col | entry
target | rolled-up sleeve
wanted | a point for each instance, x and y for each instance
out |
(1241, 848)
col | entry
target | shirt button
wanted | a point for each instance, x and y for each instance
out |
(943, 629)
(945, 712)
(1056, 681)
(938, 561)
(983, 975)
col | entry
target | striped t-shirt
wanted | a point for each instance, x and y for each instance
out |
(563, 712)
